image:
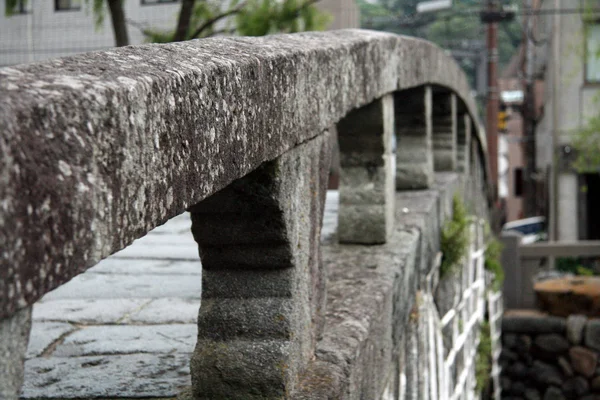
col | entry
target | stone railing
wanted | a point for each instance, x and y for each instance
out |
(98, 149)
(522, 262)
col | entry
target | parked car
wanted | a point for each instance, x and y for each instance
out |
(533, 229)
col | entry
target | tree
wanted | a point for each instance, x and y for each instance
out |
(204, 18)
(199, 19)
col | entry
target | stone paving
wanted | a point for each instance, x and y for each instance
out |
(125, 328)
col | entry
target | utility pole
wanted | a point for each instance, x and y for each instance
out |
(492, 99)
(492, 15)
(529, 115)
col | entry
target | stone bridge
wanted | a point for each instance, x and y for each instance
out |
(98, 149)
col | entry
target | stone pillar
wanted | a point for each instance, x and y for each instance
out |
(414, 154)
(444, 131)
(263, 294)
(463, 139)
(366, 211)
(14, 336)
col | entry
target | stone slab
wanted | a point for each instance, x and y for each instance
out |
(43, 334)
(113, 340)
(575, 328)
(151, 250)
(167, 311)
(127, 376)
(533, 324)
(121, 266)
(86, 311)
(100, 286)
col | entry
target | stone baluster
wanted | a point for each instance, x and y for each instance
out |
(366, 212)
(444, 131)
(414, 153)
(14, 336)
(263, 294)
(463, 140)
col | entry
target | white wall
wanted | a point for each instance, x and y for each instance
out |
(567, 207)
(44, 33)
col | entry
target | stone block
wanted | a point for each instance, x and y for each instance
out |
(584, 361)
(533, 324)
(565, 367)
(554, 393)
(243, 369)
(14, 335)
(545, 374)
(592, 334)
(575, 328)
(576, 387)
(550, 346)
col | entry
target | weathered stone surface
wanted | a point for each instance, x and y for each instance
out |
(532, 394)
(14, 334)
(517, 370)
(575, 387)
(276, 213)
(554, 393)
(85, 311)
(43, 334)
(565, 367)
(523, 344)
(509, 340)
(107, 340)
(92, 286)
(167, 311)
(125, 376)
(584, 361)
(551, 345)
(237, 102)
(414, 153)
(545, 374)
(367, 189)
(575, 328)
(444, 119)
(592, 334)
(533, 324)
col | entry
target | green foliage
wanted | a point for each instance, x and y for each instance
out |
(11, 7)
(249, 18)
(455, 237)
(492, 263)
(483, 362)
(586, 142)
(577, 265)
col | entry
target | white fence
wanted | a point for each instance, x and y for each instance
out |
(448, 344)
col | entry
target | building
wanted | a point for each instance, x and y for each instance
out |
(572, 84)
(42, 29)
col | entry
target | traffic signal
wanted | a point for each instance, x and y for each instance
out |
(502, 117)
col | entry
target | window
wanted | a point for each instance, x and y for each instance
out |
(592, 52)
(158, 1)
(16, 7)
(67, 5)
(518, 182)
